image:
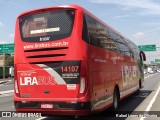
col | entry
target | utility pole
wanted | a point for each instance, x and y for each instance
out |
(4, 64)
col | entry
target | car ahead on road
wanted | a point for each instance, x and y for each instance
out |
(158, 70)
(145, 72)
(155, 70)
(151, 71)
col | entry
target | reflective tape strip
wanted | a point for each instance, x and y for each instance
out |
(52, 72)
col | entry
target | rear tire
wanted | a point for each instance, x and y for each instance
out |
(116, 99)
(138, 91)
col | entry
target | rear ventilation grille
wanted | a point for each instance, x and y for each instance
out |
(45, 49)
(40, 56)
(43, 56)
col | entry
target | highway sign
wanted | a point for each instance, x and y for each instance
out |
(6, 48)
(157, 60)
(147, 47)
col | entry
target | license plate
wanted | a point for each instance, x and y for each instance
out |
(49, 106)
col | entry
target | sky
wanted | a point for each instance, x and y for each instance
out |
(138, 20)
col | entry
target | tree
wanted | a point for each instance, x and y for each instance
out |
(10, 61)
(158, 65)
(145, 66)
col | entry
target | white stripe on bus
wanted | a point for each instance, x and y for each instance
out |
(58, 78)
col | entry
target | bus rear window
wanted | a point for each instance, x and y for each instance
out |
(47, 26)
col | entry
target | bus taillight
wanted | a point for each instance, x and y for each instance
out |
(83, 79)
(82, 85)
(16, 87)
(15, 80)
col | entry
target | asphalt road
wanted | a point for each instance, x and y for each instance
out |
(7, 84)
(147, 100)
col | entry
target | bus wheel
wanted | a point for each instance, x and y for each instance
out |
(138, 91)
(116, 100)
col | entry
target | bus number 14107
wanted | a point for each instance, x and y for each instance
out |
(69, 68)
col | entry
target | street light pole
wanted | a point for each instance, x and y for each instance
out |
(4, 64)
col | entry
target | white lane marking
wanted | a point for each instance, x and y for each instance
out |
(144, 95)
(149, 76)
(41, 118)
(151, 103)
(4, 85)
(6, 92)
(6, 95)
(5, 81)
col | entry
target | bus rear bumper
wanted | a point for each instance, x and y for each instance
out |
(59, 108)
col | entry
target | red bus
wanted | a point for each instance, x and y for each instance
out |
(68, 62)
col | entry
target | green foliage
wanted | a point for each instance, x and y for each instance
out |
(145, 66)
(10, 61)
(158, 65)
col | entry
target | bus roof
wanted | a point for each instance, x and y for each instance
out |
(70, 6)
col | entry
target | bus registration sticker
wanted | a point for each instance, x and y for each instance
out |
(45, 30)
(49, 106)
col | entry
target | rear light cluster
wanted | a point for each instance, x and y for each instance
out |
(83, 79)
(16, 86)
(82, 85)
(15, 81)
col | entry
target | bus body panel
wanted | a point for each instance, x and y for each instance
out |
(55, 76)
(106, 72)
(42, 81)
(69, 76)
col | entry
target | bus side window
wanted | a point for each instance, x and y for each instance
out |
(92, 30)
(99, 35)
(124, 49)
(85, 30)
(105, 40)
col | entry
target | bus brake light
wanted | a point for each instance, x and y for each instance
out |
(16, 87)
(82, 85)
